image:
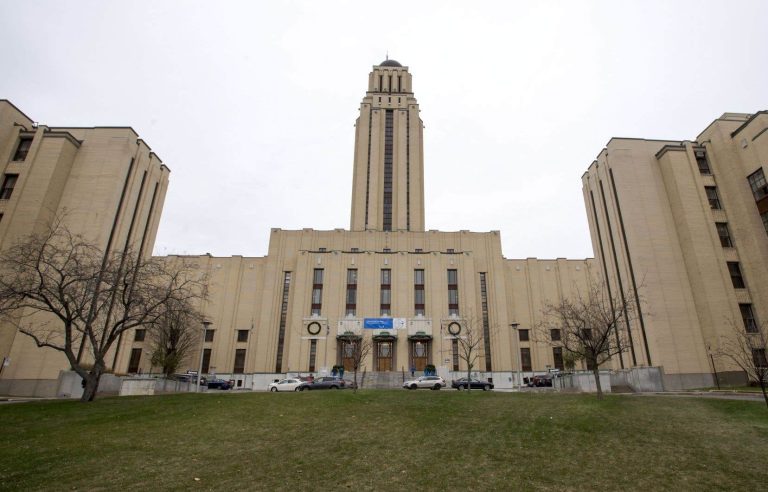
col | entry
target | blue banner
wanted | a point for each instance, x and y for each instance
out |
(377, 323)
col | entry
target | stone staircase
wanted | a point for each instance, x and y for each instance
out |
(382, 380)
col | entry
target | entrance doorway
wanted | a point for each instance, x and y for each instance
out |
(420, 353)
(384, 355)
(347, 348)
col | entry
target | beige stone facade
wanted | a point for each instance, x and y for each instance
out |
(107, 185)
(686, 224)
(407, 288)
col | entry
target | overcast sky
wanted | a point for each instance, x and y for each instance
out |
(252, 104)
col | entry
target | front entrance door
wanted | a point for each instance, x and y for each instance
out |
(347, 350)
(420, 354)
(384, 355)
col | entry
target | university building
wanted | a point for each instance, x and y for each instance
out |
(410, 290)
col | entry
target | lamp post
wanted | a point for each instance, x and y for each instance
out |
(206, 324)
(514, 327)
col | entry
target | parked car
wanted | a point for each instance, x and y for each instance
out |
(431, 382)
(290, 384)
(327, 382)
(544, 380)
(461, 384)
(221, 384)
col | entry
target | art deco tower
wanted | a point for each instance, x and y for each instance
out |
(388, 181)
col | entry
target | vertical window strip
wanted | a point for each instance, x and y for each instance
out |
(388, 136)
(386, 293)
(312, 354)
(351, 298)
(408, 169)
(317, 291)
(455, 352)
(486, 324)
(368, 171)
(283, 321)
(419, 300)
(453, 292)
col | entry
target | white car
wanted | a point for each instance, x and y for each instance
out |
(431, 382)
(290, 384)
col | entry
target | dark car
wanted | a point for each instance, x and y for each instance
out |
(187, 378)
(461, 384)
(222, 384)
(327, 382)
(540, 381)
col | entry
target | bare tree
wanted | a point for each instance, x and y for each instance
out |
(469, 339)
(468, 333)
(357, 349)
(68, 295)
(748, 349)
(592, 327)
(174, 334)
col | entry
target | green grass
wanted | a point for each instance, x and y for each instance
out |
(390, 440)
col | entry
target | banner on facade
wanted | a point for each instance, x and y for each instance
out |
(384, 323)
(377, 323)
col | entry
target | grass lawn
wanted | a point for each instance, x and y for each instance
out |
(389, 440)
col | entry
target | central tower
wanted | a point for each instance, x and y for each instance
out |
(388, 179)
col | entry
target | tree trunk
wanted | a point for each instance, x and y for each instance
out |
(596, 373)
(762, 387)
(354, 375)
(91, 386)
(469, 377)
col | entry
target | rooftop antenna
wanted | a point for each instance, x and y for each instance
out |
(387, 55)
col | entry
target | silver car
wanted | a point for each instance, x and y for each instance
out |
(431, 382)
(290, 384)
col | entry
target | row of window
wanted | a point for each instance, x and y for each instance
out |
(526, 364)
(385, 288)
(134, 362)
(242, 335)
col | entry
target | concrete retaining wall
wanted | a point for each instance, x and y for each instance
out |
(640, 379)
(137, 387)
(583, 382)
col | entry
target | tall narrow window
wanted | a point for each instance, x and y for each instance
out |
(351, 299)
(764, 217)
(701, 160)
(725, 234)
(139, 334)
(748, 317)
(283, 322)
(386, 293)
(418, 293)
(22, 149)
(239, 367)
(554, 335)
(242, 336)
(758, 357)
(453, 293)
(557, 356)
(525, 335)
(8, 184)
(712, 196)
(312, 354)
(206, 361)
(486, 322)
(525, 359)
(758, 184)
(736, 278)
(135, 360)
(317, 291)
(455, 353)
(388, 142)
(209, 335)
